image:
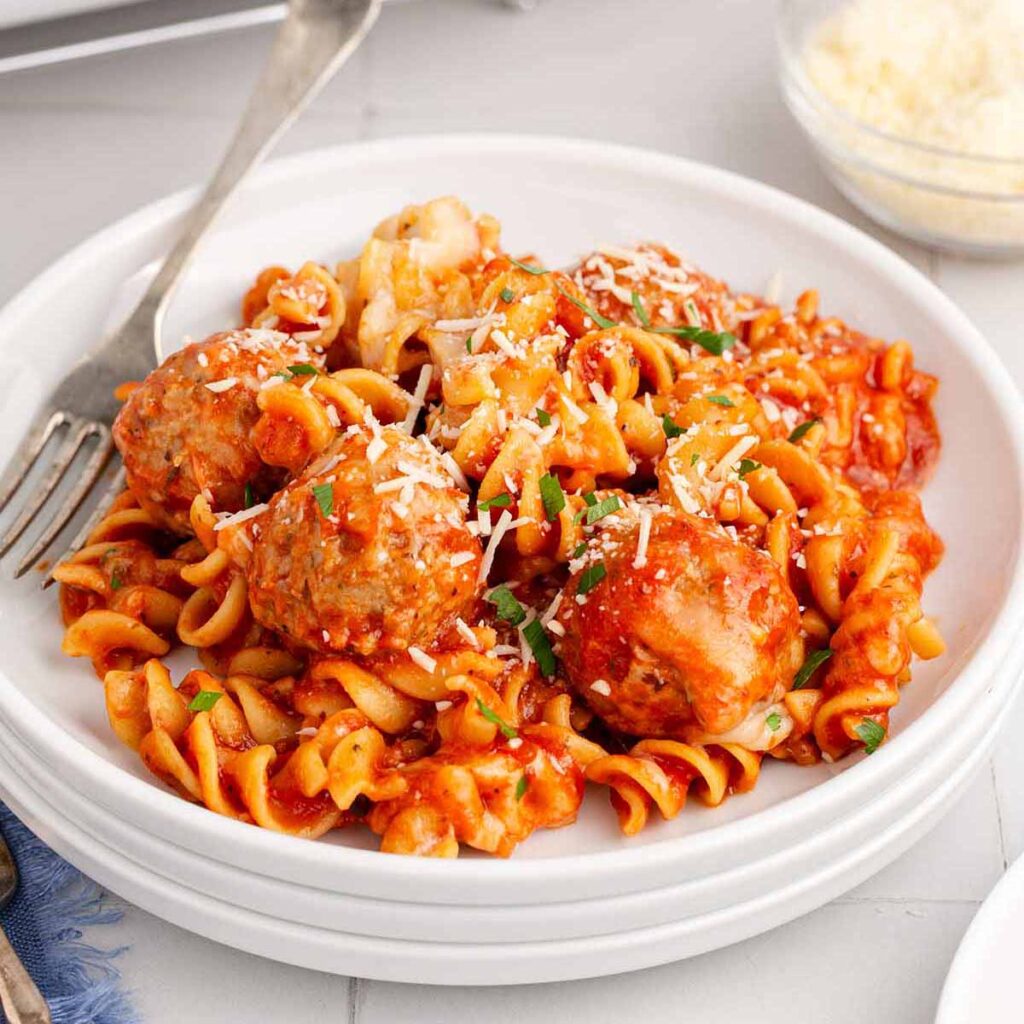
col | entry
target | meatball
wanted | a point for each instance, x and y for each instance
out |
(671, 292)
(185, 429)
(367, 550)
(687, 643)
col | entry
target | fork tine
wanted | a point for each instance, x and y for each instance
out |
(117, 485)
(17, 469)
(76, 438)
(90, 474)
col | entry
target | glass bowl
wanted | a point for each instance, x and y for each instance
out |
(958, 202)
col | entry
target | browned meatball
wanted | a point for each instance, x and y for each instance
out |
(185, 429)
(688, 642)
(367, 550)
(671, 292)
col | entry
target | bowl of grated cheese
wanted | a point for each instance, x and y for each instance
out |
(916, 110)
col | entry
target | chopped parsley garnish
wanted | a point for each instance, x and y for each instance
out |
(692, 312)
(714, 342)
(601, 321)
(303, 370)
(506, 294)
(324, 494)
(536, 271)
(590, 577)
(602, 509)
(204, 700)
(747, 466)
(580, 550)
(799, 431)
(638, 308)
(534, 635)
(249, 499)
(552, 495)
(502, 500)
(543, 417)
(522, 786)
(506, 730)
(871, 733)
(671, 428)
(694, 458)
(814, 661)
(115, 582)
(721, 400)
(773, 721)
(506, 605)
(469, 344)
(590, 500)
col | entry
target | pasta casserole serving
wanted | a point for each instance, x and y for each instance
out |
(453, 534)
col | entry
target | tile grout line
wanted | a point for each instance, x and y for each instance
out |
(999, 814)
(354, 986)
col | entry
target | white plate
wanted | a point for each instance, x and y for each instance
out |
(983, 984)
(428, 922)
(558, 198)
(474, 963)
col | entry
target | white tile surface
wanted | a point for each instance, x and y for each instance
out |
(88, 142)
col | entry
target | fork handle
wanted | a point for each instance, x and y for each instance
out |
(316, 38)
(21, 1000)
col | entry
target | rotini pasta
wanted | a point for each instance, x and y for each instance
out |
(452, 534)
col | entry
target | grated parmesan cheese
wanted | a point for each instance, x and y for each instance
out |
(945, 74)
(424, 660)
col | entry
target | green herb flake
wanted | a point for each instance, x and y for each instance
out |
(502, 500)
(671, 428)
(552, 495)
(602, 509)
(506, 730)
(747, 466)
(506, 295)
(115, 582)
(813, 662)
(204, 700)
(590, 500)
(601, 321)
(871, 733)
(694, 458)
(543, 417)
(799, 431)
(590, 577)
(324, 494)
(713, 342)
(773, 721)
(249, 499)
(522, 786)
(536, 271)
(638, 308)
(303, 370)
(726, 403)
(580, 550)
(534, 635)
(469, 345)
(692, 313)
(508, 608)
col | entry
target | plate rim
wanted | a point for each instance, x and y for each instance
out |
(860, 777)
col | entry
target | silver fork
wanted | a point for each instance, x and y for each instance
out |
(19, 996)
(316, 38)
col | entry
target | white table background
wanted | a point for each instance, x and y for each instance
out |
(86, 143)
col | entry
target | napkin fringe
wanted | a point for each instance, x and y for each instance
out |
(65, 903)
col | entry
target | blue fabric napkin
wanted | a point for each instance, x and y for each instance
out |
(44, 922)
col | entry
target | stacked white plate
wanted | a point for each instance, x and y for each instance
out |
(583, 900)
